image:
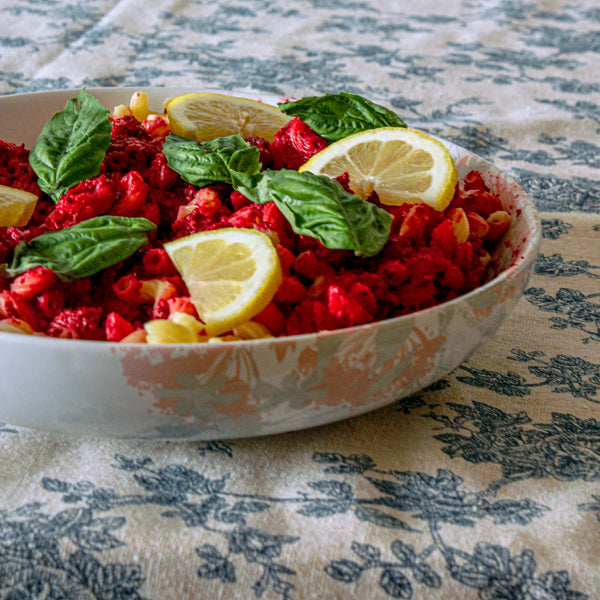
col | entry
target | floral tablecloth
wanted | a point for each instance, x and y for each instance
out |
(485, 485)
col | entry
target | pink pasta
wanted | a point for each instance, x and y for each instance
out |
(431, 256)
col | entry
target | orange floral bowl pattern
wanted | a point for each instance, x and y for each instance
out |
(258, 387)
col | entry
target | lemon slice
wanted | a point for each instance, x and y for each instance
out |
(206, 116)
(402, 165)
(16, 206)
(231, 274)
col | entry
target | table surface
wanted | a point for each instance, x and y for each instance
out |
(485, 485)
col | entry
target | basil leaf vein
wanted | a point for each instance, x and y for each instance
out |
(83, 249)
(319, 207)
(208, 162)
(71, 146)
(336, 116)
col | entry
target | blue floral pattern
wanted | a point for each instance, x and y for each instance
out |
(485, 484)
(402, 501)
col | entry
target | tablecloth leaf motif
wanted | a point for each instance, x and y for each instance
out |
(215, 565)
(6, 428)
(508, 384)
(563, 374)
(33, 561)
(592, 506)
(573, 309)
(566, 448)
(555, 265)
(216, 446)
(213, 505)
(490, 568)
(554, 193)
(552, 229)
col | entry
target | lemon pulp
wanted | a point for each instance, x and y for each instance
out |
(206, 116)
(401, 165)
(16, 206)
(231, 274)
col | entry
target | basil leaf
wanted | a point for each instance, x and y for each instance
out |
(313, 204)
(71, 146)
(319, 207)
(204, 163)
(83, 249)
(336, 116)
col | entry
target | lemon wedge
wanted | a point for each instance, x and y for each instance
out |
(16, 206)
(231, 274)
(401, 165)
(206, 116)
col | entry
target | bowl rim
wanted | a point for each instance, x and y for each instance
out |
(521, 262)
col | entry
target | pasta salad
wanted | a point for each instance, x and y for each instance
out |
(105, 193)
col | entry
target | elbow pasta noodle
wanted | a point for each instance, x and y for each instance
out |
(433, 256)
(139, 106)
(485, 259)
(182, 328)
(498, 223)
(152, 290)
(189, 321)
(121, 111)
(460, 224)
(251, 330)
(138, 336)
(33, 282)
(16, 326)
(164, 331)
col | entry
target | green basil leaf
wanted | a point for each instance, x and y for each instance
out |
(204, 163)
(336, 116)
(313, 204)
(83, 249)
(71, 146)
(319, 207)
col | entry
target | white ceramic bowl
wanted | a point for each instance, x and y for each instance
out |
(243, 389)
